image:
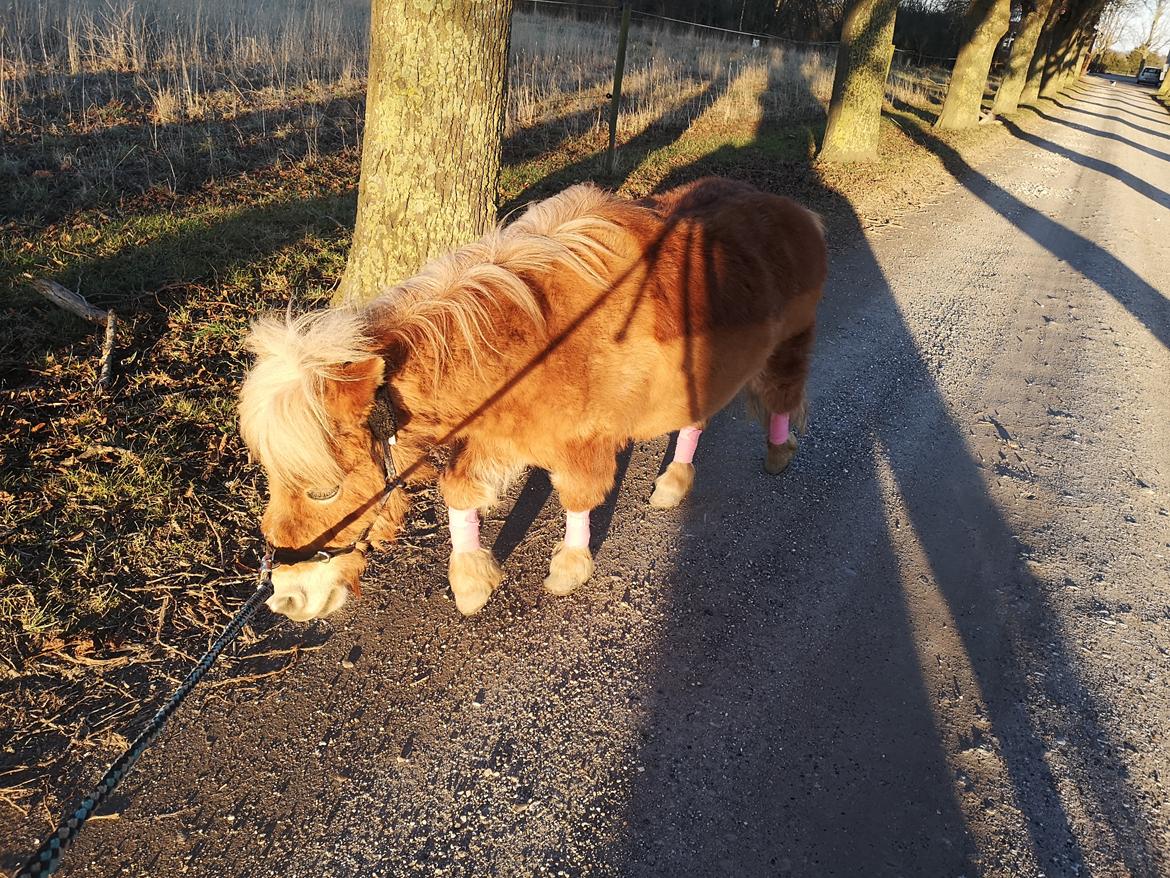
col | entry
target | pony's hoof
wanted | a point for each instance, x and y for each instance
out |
(673, 485)
(568, 569)
(473, 577)
(779, 456)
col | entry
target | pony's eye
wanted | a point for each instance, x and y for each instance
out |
(322, 496)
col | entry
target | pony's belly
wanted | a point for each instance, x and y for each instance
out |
(697, 377)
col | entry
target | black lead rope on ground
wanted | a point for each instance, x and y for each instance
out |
(48, 857)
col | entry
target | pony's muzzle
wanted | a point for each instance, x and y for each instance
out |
(288, 604)
(312, 589)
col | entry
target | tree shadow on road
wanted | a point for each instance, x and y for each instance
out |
(795, 726)
(1084, 90)
(1109, 135)
(1137, 295)
(1071, 108)
(1137, 184)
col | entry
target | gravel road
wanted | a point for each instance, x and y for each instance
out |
(939, 645)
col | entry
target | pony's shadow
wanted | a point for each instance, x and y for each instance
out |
(535, 494)
(829, 757)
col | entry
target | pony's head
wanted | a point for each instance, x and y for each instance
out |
(304, 411)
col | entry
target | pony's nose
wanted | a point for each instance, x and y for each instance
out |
(288, 603)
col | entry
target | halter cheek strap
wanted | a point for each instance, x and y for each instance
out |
(383, 424)
(383, 419)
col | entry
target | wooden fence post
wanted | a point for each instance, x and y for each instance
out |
(618, 69)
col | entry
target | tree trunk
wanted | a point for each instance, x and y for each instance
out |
(431, 148)
(1062, 37)
(986, 23)
(859, 84)
(1067, 42)
(1077, 68)
(1044, 47)
(1007, 96)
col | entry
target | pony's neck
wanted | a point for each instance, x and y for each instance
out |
(427, 417)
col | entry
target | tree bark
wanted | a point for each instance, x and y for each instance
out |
(431, 147)
(1007, 96)
(986, 23)
(1058, 49)
(1067, 41)
(1075, 70)
(1031, 92)
(859, 84)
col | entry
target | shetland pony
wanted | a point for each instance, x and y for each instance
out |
(552, 342)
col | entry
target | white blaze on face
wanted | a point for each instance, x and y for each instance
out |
(313, 589)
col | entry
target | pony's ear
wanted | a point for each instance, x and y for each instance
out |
(349, 392)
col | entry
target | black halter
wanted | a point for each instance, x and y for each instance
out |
(383, 419)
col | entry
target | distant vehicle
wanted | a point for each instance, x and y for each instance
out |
(1151, 75)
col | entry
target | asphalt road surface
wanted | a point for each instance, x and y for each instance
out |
(939, 645)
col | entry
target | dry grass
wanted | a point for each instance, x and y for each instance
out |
(192, 165)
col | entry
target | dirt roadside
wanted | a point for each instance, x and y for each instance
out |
(937, 646)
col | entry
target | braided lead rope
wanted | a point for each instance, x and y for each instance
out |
(48, 857)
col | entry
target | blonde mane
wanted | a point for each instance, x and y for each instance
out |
(451, 300)
(282, 403)
(448, 306)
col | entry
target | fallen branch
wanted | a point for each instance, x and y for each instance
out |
(105, 376)
(75, 303)
(70, 301)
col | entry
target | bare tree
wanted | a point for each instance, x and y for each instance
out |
(1112, 24)
(859, 85)
(1157, 29)
(431, 148)
(986, 23)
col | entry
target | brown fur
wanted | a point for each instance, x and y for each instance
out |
(644, 317)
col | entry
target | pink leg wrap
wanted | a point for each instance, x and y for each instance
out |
(464, 529)
(778, 428)
(577, 530)
(688, 441)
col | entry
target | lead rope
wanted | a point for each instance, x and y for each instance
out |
(48, 856)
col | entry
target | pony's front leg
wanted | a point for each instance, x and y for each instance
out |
(472, 571)
(582, 479)
(677, 479)
(572, 562)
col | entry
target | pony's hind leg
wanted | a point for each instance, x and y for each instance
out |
(779, 401)
(677, 479)
(472, 571)
(582, 478)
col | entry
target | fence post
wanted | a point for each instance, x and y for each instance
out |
(618, 69)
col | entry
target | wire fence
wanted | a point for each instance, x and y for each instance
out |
(918, 56)
(757, 36)
(175, 62)
(738, 74)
